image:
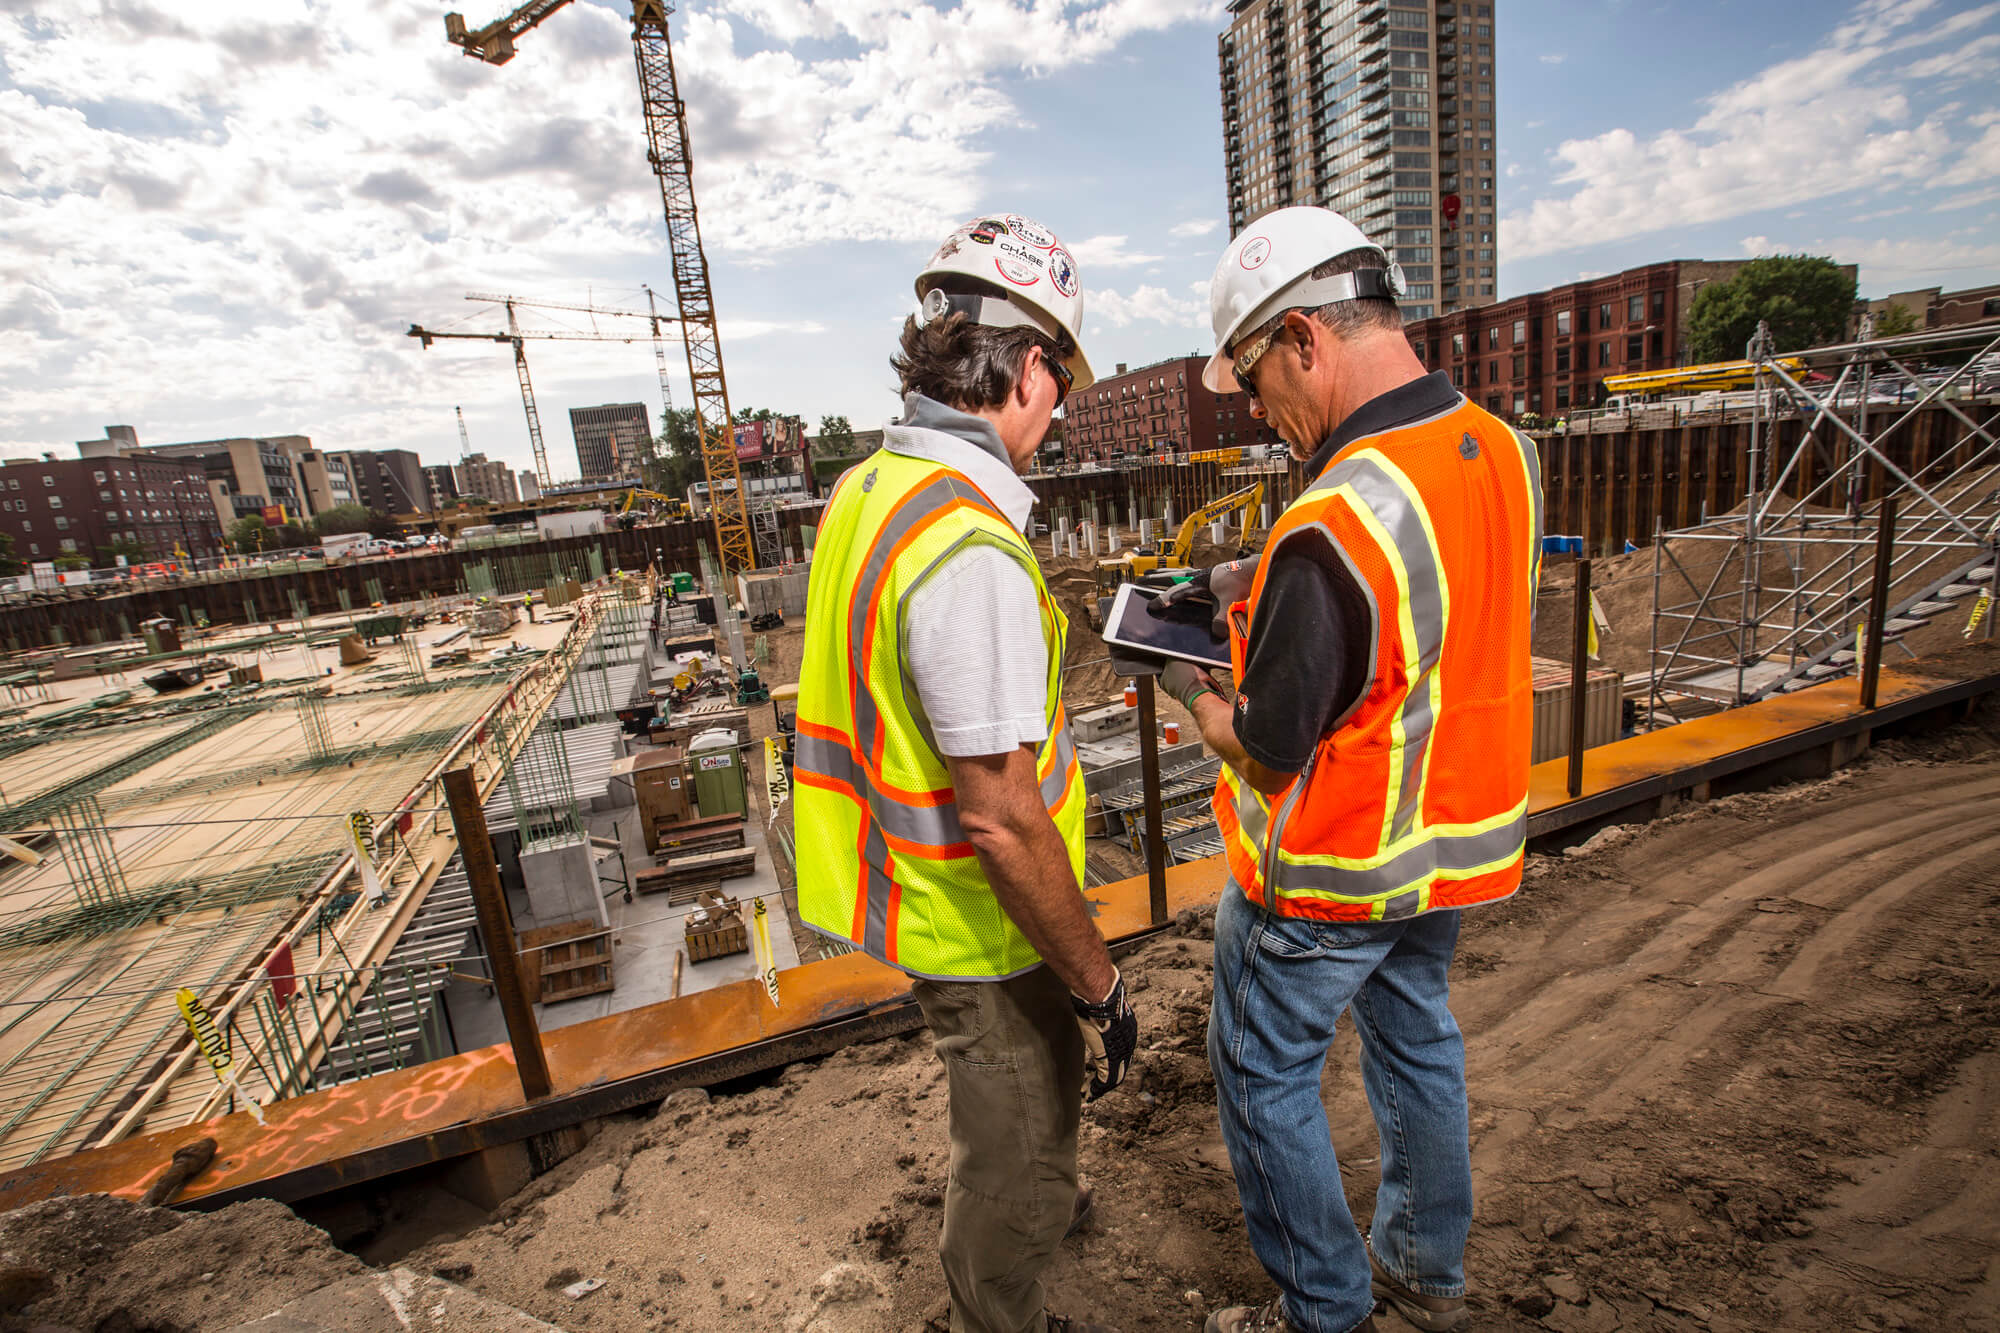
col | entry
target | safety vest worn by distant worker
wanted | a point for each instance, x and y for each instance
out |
(1417, 798)
(882, 860)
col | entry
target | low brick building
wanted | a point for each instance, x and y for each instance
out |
(1158, 408)
(1547, 352)
(79, 507)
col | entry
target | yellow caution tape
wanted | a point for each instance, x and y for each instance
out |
(777, 784)
(1979, 610)
(767, 963)
(214, 1046)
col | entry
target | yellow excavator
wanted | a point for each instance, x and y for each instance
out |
(1130, 566)
(666, 506)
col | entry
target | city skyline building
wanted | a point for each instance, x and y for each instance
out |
(1383, 112)
(611, 438)
(1155, 408)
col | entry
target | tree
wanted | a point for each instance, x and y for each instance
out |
(676, 454)
(1893, 320)
(8, 564)
(67, 563)
(249, 534)
(132, 551)
(836, 438)
(1806, 300)
(343, 519)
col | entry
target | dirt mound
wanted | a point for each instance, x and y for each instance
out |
(112, 1264)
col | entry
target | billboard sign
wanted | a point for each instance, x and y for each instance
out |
(750, 441)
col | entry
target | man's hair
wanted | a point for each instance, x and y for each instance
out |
(1345, 319)
(966, 365)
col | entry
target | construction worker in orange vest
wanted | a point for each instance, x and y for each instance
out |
(1376, 768)
(938, 803)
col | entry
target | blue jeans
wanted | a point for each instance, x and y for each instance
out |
(1280, 983)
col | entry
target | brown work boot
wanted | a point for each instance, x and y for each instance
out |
(1266, 1318)
(1432, 1314)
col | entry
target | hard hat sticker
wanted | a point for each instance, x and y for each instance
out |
(1032, 232)
(1018, 263)
(1255, 253)
(1062, 271)
(984, 232)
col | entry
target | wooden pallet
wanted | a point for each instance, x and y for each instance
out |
(685, 877)
(707, 840)
(571, 959)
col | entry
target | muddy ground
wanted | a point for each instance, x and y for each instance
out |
(1734, 1070)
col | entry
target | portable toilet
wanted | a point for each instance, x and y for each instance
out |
(716, 768)
(682, 583)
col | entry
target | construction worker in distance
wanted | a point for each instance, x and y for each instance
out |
(938, 802)
(1376, 769)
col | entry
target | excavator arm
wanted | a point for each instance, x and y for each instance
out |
(1246, 499)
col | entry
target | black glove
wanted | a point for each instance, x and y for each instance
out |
(1110, 1035)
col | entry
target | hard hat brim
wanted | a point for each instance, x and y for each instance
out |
(1219, 375)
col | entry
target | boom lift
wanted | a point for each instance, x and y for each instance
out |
(1131, 566)
(667, 149)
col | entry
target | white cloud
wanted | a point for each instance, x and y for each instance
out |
(1155, 305)
(1101, 252)
(1895, 264)
(220, 217)
(1193, 228)
(1836, 119)
(1552, 57)
(1511, 170)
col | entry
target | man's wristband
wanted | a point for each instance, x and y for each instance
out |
(1188, 702)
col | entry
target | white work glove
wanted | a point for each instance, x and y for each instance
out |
(1110, 1035)
(1219, 587)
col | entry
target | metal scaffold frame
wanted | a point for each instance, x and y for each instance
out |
(1769, 597)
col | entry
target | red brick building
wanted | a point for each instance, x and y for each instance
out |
(1547, 352)
(76, 507)
(1156, 408)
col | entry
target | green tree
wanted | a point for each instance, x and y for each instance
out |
(1893, 320)
(8, 564)
(67, 563)
(249, 535)
(676, 454)
(1806, 300)
(835, 439)
(132, 551)
(344, 519)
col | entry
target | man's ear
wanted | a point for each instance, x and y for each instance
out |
(1304, 330)
(1023, 395)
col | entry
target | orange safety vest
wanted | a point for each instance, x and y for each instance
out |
(1417, 797)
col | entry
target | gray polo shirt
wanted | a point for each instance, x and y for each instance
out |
(972, 631)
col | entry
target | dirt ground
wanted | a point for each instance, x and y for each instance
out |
(1732, 1070)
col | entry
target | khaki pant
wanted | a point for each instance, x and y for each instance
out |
(1013, 1062)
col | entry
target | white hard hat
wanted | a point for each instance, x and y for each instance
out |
(1032, 279)
(1268, 269)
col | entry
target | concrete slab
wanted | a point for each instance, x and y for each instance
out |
(395, 1301)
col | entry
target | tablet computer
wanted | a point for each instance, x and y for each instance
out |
(1185, 634)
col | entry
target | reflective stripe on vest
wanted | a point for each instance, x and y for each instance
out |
(884, 860)
(1408, 856)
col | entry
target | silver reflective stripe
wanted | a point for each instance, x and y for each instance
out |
(1531, 459)
(1057, 782)
(1396, 510)
(1416, 866)
(927, 825)
(876, 884)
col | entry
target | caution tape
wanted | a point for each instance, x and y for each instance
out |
(767, 964)
(213, 1044)
(1979, 610)
(777, 784)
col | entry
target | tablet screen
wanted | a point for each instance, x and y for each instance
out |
(1185, 634)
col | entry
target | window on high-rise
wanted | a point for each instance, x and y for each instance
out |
(1493, 337)
(1635, 348)
(1604, 354)
(1562, 324)
(1635, 309)
(1520, 332)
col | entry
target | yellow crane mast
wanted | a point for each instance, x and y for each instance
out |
(667, 149)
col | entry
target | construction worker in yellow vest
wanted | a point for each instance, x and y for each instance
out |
(938, 803)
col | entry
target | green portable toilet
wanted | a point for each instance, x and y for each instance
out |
(683, 582)
(716, 768)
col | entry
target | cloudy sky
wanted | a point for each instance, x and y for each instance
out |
(219, 218)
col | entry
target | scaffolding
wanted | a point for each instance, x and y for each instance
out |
(1770, 597)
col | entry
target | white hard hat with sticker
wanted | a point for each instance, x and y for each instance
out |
(1032, 277)
(1268, 269)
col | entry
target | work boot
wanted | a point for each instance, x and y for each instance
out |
(1432, 1314)
(1266, 1318)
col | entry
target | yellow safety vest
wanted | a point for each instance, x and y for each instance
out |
(882, 860)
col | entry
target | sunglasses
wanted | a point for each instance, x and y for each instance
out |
(1251, 355)
(1063, 378)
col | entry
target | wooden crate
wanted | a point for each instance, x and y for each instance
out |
(571, 959)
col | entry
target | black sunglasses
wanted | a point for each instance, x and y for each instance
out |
(1063, 378)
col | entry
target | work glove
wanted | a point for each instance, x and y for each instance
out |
(1110, 1035)
(1186, 682)
(1218, 588)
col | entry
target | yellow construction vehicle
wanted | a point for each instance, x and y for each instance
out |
(1131, 566)
(668, 506)
(1693, 379)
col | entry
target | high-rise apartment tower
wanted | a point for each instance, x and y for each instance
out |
(1383, 111)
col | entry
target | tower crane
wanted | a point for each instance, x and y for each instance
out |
(672, 160)
(464, 440)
